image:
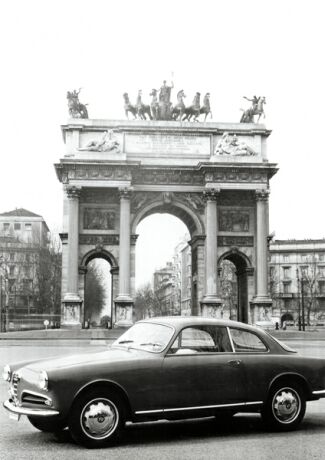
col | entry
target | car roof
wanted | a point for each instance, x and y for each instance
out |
(183, 321)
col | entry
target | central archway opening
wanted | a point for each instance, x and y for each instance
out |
(162, 267)
(98, 294)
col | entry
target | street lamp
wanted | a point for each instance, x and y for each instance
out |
(301, 292)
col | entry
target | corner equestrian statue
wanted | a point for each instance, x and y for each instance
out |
(76, 109)
(257, 108)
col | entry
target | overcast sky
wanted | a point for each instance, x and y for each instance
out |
(231, 49)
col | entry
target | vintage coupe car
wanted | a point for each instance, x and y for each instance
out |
(167, 368)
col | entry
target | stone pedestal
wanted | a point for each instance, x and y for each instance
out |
(211, 310)
(71, 312)
(123, 314)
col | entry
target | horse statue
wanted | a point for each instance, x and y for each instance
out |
(142, 109)
(154, 105)
(206, 109)
(256, 109)
(76, 109)
(193, 110)
(179, 109)
(128, 107)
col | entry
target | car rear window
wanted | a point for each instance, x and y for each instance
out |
(246, 341)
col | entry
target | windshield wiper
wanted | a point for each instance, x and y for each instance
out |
(150, 343)
(126, 341)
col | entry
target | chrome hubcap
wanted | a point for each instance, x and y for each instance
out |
(99, 418)
(286, 405)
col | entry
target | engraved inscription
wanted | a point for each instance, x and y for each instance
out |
(99, 239)
(168, 143)
(235, 240)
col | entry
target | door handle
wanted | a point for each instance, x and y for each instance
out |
(234, 362)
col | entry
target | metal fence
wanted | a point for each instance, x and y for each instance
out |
(16, 322)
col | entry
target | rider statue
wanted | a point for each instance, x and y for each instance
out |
(76, 109)
(254, 102)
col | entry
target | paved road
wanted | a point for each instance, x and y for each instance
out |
(245, 437)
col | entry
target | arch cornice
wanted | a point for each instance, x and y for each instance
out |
(99, 253)
(167, 203)
(235, 252)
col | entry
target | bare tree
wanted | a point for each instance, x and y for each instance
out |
(147, 303)
(309, 288)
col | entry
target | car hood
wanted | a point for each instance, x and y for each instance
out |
(110, 355)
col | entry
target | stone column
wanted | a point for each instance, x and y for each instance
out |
(262, 301)
(71, 300)
(124, 302)
(210, 304)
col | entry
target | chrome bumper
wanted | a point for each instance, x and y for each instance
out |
(320, 393)
(11, 407)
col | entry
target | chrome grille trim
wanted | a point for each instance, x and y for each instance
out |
(32, 397)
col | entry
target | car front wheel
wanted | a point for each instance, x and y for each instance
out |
(285, 407)
(97, 418)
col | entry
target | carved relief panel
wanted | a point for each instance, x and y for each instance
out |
(233, 221)
(98, 219)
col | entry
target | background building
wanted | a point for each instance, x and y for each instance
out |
(297, 280)
(27, 282)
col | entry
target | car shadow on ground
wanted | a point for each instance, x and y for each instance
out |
(239, 427)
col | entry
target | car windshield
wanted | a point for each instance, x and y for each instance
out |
(151, 337)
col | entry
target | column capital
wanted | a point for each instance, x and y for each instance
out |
(125, 193)
(262, 195)
(211, 194)
(72, 191)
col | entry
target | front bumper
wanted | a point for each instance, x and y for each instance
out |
(11, 407)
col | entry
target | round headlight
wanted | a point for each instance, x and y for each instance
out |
(6, 373)
(43, 380)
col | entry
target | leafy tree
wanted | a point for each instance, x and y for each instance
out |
(94, 291)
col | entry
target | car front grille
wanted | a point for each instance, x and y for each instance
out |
(14, 386)
(32, 398)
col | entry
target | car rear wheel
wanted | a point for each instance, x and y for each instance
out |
(97, 418)
(49, 425)
(285, 407)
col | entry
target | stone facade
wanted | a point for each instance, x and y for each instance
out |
(295, 264)
(166, 167)
(23, 235)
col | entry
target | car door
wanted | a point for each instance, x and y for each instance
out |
(200, 369)
(260, 367)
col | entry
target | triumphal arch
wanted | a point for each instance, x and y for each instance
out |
(213, 176)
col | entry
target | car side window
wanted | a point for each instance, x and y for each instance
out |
(245, 341)
(201, 339)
